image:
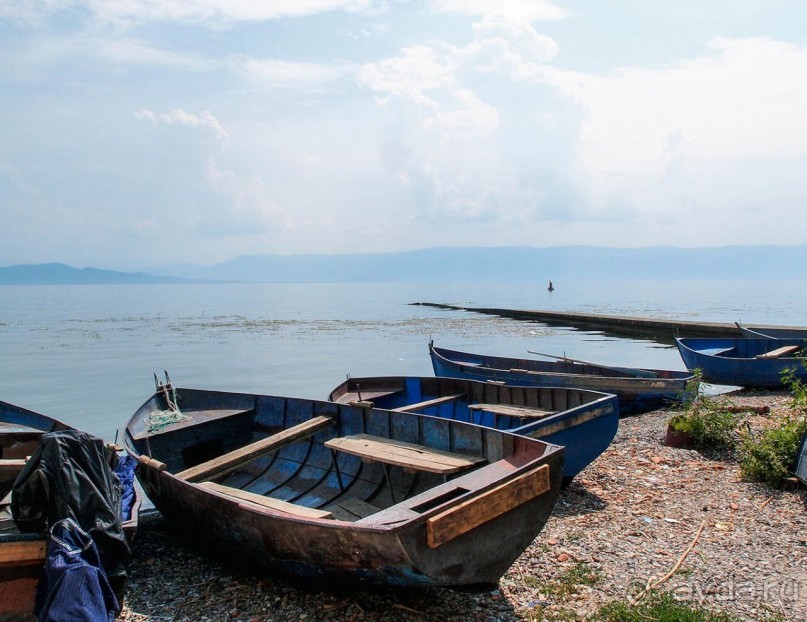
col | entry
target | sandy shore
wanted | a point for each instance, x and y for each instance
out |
(626, 521)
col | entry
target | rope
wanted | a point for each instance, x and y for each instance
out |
(160, 419)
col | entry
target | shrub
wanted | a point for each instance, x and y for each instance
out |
(770, 455)
(709, 427)
(709, 421)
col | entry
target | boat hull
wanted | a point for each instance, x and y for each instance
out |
(584, 422)
(22, 554)
(389, 545)
(741, 362)
(772, 332)
(636, 395)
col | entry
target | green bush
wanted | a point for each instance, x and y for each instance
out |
(709, 426)
(769, 456)
(709, 421)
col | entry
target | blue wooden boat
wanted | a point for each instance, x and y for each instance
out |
(801, 461)
(583, 421)
(334, 492)
(23, 554)
(772, 332)
(638, 390)
(751, 363)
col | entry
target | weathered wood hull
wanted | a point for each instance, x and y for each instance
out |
(584, 422)
(741, 362)
(22, 554)
(390, 525)
(655, 388)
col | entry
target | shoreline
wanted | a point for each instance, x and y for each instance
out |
(626, 519)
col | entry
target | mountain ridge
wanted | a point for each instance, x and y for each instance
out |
(507, 263)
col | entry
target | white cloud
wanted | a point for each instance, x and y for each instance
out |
(284, 74)
(180, 117)
(440, 75)
(524, 9)
(214, 13)
(253, 209)
(515, 37)
(746, 101)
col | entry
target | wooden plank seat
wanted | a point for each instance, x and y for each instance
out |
(11, 465)
(409, 408)
(779, 352)
(512, 411)
(267, 502)
(398, 453)
(231, 461)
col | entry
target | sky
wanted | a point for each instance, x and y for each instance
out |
(137, 133)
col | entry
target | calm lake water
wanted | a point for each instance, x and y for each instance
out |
(86, 354)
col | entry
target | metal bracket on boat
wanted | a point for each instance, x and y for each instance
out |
(166, 390)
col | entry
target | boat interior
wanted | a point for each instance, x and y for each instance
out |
(323, 459)
(491, 404)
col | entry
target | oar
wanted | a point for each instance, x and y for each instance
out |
(639, 373)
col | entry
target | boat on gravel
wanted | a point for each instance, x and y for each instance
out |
(584, 422)
(750, 362)
(23, 552)
(323, 490)
(638, 390)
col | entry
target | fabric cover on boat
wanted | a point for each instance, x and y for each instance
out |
(125, 470)
(73, 585)
(69, 476)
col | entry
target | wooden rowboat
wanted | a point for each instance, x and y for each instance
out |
(325, 490)
(751, 363)
(638, 390)
(22, 554)
(583, 421)
(772, 332)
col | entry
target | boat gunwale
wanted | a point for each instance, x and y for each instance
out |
(517, 468)
(671, 377)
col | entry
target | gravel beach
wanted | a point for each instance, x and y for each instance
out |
(639, 512)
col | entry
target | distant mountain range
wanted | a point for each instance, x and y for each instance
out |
(456, 264)
(60, 274)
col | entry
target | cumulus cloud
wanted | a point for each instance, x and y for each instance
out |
(514, 37)
(525, 9)
(253, 208)
(744, 101)
(440, 75)
(211, 12)
(284, 74)
(180, 117)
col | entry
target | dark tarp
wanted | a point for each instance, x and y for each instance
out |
(69, 476)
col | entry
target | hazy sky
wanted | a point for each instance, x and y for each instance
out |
(139, 133)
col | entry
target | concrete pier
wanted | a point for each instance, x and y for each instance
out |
(663, 331)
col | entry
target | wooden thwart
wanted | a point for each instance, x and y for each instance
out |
(10, 465)
(407, 455)
(485, 507)
(783, 351)
(512, 411)
(22, 551)
(409, 408)
(268, 502)
(231, 461)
